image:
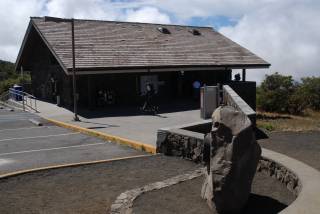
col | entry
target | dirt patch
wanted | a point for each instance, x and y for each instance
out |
(284, 122)
(303, 146)
(85, 189)
(268, 196)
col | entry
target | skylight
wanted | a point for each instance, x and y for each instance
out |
(163, 30)
(195, 32)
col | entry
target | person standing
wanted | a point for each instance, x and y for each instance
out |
(196, 90)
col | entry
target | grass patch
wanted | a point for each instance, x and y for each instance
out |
(309, 121)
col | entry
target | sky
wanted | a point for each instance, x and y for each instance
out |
(286, 33)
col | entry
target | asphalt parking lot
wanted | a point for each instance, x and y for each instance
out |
(23, 145)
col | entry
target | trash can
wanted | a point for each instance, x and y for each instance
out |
(17, 91)
(208, 101)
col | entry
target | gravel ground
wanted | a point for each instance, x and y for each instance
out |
(92, 188)
(268, 196)
(84, 189)
(303, 146)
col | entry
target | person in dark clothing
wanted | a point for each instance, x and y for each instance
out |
(148, 106)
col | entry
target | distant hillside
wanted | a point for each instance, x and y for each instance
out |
(6, 70)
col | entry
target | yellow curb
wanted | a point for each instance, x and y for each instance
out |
(69, 165)
(131, 143)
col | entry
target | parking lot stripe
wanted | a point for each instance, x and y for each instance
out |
(45, 136)
(33, 127)
(57, 148)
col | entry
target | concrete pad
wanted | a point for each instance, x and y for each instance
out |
(141, 128)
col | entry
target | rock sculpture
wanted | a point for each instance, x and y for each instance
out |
(231, 154)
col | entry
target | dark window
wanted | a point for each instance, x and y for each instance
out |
(163, 30)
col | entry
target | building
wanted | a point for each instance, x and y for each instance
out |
(122, 57)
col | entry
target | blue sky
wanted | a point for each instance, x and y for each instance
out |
(214, 21)
(286, 33)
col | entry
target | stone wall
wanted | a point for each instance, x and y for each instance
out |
(189, 145)
(231, 98)
(281, 173)
(181, 143)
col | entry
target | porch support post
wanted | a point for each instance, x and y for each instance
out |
(90, 93)
(243, 75)
(74, 81)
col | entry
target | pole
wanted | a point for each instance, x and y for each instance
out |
(243, 75)
(76, 118)
(22, 76)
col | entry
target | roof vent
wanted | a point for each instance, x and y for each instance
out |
(163, 30)
(195, 32)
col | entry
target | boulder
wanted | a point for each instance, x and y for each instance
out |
(231, 154)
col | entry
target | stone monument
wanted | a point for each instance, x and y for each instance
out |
(231, 154)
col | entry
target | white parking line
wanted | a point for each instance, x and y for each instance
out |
(57, 148)
(45, 136)
(33, 127)
(5, 161)
(16, 119)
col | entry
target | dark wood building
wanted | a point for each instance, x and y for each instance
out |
(123, 57)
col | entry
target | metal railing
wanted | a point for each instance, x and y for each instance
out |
(3, 98)
(27, 101)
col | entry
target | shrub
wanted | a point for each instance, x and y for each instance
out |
(274, 93)
(279, 93)
(6, 84)
(310, 92)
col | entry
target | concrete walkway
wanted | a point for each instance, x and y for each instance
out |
(137, 127)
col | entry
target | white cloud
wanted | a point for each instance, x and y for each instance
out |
(14, 18)
(286, 34)
(82, 9)
(147, 14)
(195, 8)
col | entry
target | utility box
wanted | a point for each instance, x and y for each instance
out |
(17, 92)
(208, 101)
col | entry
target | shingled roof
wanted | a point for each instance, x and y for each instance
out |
(107, 45)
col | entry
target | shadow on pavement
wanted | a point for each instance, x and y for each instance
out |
(260, 134)
(125, 110)
(263, 205)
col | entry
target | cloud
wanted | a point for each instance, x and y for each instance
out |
(14, 18)
(286, 34)
(82, 9)
(147, 14)
(204, 8)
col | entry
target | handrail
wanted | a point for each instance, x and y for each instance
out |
(25, 97)
(4, 95)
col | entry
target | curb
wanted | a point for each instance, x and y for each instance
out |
(16, 173)
(35, 122)
(131, 143)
